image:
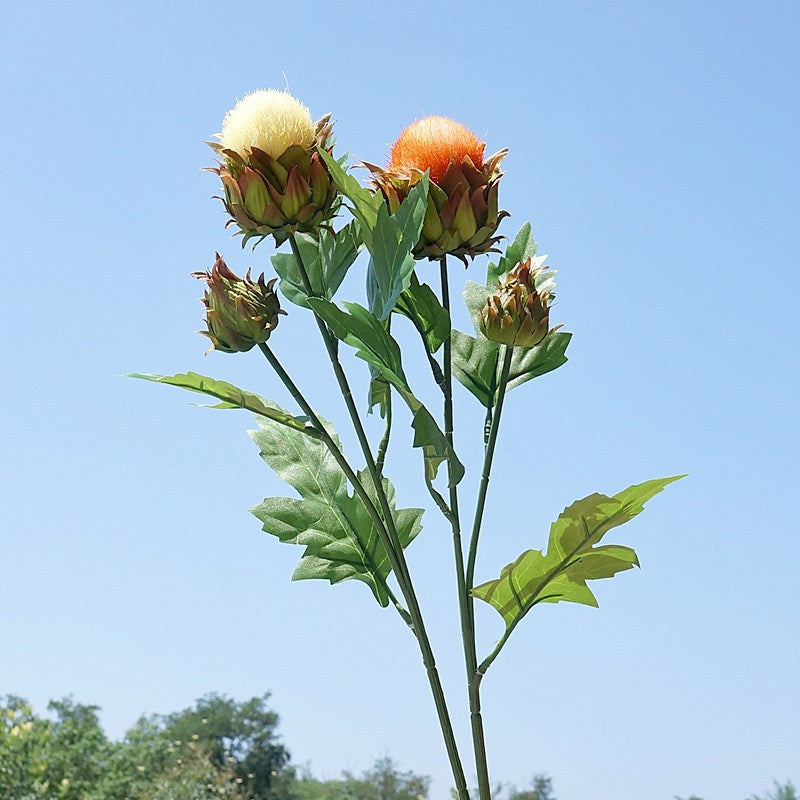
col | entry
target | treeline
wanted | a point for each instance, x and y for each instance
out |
(218, 749)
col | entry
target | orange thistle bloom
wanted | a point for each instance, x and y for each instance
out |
(432, 143)
(462, 213)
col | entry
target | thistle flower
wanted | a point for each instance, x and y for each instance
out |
(462, 213)
(240, 312)
(518, 313)
(273, 179)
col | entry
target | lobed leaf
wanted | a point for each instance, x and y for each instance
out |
(326, 258)
(573, 556)
(393, 238)
(231, 397)
(340, 538)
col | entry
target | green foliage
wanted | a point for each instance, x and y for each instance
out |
(382, 782)
(573, 556)
(23, 747)
(340, 538)
(216, 750)
(77, 750)
(476, 362)
(362, 330)
(541, 789)
(388, 237)
(420, 304)
(521, 248)
(326, 258)
(785, 791)
(238, 736)
(232, 397)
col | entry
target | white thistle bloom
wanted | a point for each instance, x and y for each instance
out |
(270, 120)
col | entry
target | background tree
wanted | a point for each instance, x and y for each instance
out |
(383, 781)
(541, 789)
(238, 736)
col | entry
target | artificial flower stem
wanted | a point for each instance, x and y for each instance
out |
(393, 547)
(340, 459)
(488, 457)
(464, 606)
(477, 676)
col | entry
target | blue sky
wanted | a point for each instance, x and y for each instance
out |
(654, 148)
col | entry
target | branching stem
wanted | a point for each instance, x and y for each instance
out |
(393, 546)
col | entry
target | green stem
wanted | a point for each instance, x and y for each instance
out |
(490, 437)
(464, 607)
(338, 456)
(488, 456)
(384, 443)
(394, 548)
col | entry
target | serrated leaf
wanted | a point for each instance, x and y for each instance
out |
(573, 556)
(475, 365)
(531, 362)
(521, 248)
(476, 362)
(231, 397)
(326, 257)
(420, 304)
(340, 538)
(362, 330)
(393, 238)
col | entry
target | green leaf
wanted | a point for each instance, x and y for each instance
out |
(573, 556)
(365, 204)
(340, 538)
(521, 248)
(531, 362)
(475, 365)
(232, 397)
(362, 330)
(476, 362)
(326, 257)
(420, 304)
(393, 238)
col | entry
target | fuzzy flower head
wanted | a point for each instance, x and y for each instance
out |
(434, 143)
(274, 181)
(270, 120)
(462, 214)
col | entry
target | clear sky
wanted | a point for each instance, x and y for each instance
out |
(654, 147)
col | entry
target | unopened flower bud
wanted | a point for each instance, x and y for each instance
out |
(240, 312)
(517, 313)
(274, 181)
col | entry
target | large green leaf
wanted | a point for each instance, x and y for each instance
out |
(393, 238)
(362, 330)
(340, 538)
(476, 362)
(232, 397)
(326, 257)
(420, 304)
(573, 556)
